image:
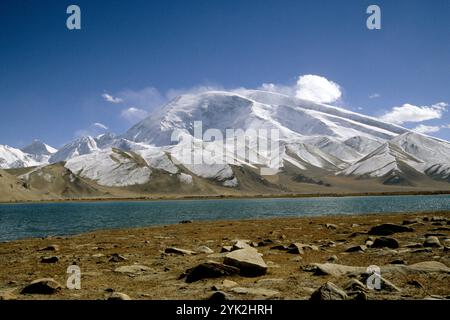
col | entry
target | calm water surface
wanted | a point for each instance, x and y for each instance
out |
(42, 219)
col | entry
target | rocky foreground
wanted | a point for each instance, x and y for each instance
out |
(317, 258)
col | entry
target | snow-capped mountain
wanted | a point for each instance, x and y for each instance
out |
(40, 151)
(78, 147)
(314, 139)
(252, 109)
(15, 158)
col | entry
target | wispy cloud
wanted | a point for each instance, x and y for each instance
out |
(133, 114)
(412, 113)
(111, 99)
(421, 128)
(94, 130)
(374, 96)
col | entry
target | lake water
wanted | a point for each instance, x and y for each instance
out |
(42, 219)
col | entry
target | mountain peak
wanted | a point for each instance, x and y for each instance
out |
(38, 148)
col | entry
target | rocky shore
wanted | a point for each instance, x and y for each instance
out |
(360, 257)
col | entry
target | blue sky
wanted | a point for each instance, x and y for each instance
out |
(141, 53)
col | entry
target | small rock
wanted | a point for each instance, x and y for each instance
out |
(42, 286)
(359, 248)
(186, 221)
(295, 248)
(210, 270)
(229, 284)
(280, 247)
(115, 257)
(52, 247)
(432, 241)
(119, 296)
(333, 258)
(407, 222)
(51, 259)
(415, 283)
(249, 262)
(204, 249)
(385, 242)
(329, 291)
(175, 250)
(355, 285)
(241, 244)
(255, 291)
(226, 249)
(265, 242)
(354, 225)
(132, 269)
(331, 226)
(424, 250)
(220, 296)
(387, 229)
(398, 261)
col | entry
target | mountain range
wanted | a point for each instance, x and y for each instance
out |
(320, 149)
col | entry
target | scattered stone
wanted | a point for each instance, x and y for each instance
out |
(385, 242)
(226, 249)
(175, 250)
(407, 222)
(186, 221)
(265, 242)
(52, 259)
(333, 259)
(132, 269)
(355, 225)
(338, 270)
(432, 241)
(255, 291)
(280, 247)
(205, 249)
(329, 291)
(355, 285)
(387, 229)
(359, 248)
(295, 248)
(424, 250)
(52, 247)
(241, 244)
(42, 286)
(220, 296)
(398, 261)
(415, 283)
(249, 262)
(115, 257)
(119, 296)
(209, 270)
(331, 226)
(414, 245)
(229, 284)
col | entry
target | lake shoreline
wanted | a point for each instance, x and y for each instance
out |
(231, 197)
(138, 262)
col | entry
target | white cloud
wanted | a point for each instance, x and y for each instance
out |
(374, 95)
(100, 125)
(318, 89)
(426, 129)
(308, 87)
(111, 99)
(412, 113)
(133, 114)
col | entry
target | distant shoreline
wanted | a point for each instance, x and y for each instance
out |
(232, 197)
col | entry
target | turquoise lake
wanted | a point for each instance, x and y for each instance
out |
(42, 219)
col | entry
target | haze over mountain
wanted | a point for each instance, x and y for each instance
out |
(319, 148)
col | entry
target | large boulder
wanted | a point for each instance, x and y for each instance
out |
(42, 286)
(432, 241)
(249, 262)
(329, 291)
(386, 229)
(385, 242)
(210, 270)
